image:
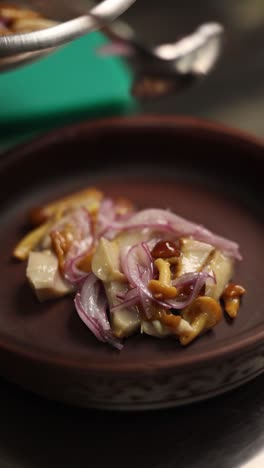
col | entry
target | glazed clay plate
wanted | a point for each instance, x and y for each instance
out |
(201, 171)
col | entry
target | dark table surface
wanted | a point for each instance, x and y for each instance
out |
(227, 431)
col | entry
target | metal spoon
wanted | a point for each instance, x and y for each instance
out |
(158, 70)
(17, 49)
(167, 68)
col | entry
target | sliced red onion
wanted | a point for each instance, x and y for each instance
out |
(190, 278)
(138, 258)
(109, 215)
(196, 281)
(135, 297)
(106, 215)
(116, 48)
(123, 260)
(148, 258)
(72, 273)
(161, 220)
(121, 297)
(147, 304)
(89, 321)
(91, 305)
(5, 22)
(83, 222)
(80, 219)
(130, 299)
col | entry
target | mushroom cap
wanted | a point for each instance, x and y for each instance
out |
(233, 291)
(204, 305)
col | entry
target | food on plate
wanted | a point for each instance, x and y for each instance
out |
(148, 271)
(15, 20)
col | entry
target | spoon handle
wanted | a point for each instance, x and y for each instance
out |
(105, 12)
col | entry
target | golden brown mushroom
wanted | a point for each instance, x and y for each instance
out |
(203, 314)
(33, 239)
(30, 241)
(19, 20)
(13, 12)
(232, 297)
(162, 288)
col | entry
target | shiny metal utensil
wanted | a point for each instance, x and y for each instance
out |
(167, 68)
(158, 71)
(17, 49)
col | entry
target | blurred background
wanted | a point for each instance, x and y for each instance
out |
(75, 83)
(234, 95)
(234, 92)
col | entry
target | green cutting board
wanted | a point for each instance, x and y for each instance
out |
(67, 86)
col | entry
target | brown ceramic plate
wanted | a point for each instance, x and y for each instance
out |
(202, 171)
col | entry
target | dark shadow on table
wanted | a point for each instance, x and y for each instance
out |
(221, 432)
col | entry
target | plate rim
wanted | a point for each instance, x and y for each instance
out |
(135, 123)
(142, 121)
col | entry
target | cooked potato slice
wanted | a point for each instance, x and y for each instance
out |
(105, 262)
(124, 321)
(194, 256)
(44, 276)
(223, 268)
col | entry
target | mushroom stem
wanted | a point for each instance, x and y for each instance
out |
(198, 326)
(30, 241)
(232, 296)
(204, 313)
(162, 288)
(232, 306)
(164, 271)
